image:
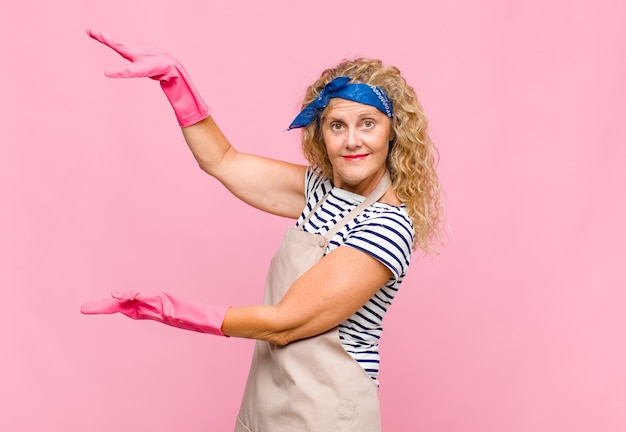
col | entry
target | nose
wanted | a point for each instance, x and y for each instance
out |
(352, 138)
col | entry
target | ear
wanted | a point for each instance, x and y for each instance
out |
(392, 134)
(392, 139)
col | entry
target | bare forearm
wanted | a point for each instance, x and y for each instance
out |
(277, 324)
(208, 144)
(260, 322)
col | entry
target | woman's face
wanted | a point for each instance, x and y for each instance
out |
(357, 141)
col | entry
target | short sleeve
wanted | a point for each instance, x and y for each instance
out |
(387, 235)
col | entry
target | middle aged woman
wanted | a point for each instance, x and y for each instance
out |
(369, 197)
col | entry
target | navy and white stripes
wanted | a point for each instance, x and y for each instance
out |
(383, 231)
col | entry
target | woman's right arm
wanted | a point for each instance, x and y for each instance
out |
(270, 185)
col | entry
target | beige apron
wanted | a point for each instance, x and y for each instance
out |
(313, 384)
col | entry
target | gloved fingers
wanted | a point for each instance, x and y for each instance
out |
(131, 51)
(123, 49)
(135, 301)
(140, 69)
(124, 302)
(106, 306)
(125, 295)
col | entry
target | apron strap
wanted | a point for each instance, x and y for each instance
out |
(314, 209)
(376, 194)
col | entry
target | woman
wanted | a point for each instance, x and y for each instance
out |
(369, 197)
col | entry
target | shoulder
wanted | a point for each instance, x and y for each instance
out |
(388, 220)
(385, 232)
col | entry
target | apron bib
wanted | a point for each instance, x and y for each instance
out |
(312, 384)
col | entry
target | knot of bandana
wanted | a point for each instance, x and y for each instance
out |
(340, 87)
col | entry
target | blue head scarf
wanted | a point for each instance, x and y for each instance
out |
(340, 87)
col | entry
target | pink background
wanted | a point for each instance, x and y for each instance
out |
(518, 325)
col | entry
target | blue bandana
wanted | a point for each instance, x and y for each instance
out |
(340, 88)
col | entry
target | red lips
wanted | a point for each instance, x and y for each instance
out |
(356, 157)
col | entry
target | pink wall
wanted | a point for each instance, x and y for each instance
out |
(517, 326)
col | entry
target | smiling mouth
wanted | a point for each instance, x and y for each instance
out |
(355, 157)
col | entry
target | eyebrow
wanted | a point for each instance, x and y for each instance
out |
(361, 114)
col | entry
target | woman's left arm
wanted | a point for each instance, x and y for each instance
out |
(323, 297)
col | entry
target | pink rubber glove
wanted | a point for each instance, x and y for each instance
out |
(149, 61)
(163, 308)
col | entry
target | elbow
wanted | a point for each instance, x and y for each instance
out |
(205, 166)
(289, 328)
(278, 338)
(272, 324)
(288, 335)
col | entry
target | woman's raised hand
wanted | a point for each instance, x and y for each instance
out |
(152, 62)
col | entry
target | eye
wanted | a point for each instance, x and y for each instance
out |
(368, 124)
(336, 126)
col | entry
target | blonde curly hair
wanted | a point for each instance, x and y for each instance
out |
(413, 157)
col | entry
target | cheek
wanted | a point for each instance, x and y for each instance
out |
(382, 142)
(331, 144)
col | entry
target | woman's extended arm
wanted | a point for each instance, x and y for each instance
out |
(324, 296)
(269, 185)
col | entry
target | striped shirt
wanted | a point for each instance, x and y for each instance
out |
(383, 231)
